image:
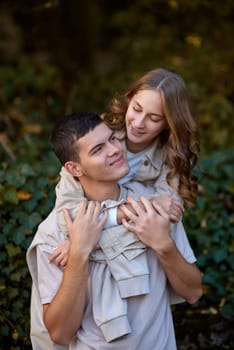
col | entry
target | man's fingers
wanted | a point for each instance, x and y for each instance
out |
(91, 207)
(139, 208)
(129, 214)
(129, 227)
(104, 218)
(82, 207)
(67, 217)
(96, 209)
(146, 203)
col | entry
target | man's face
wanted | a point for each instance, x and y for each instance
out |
(102, 156)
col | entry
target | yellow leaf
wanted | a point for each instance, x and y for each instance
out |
(205, 288)
(24, 195)
(15, 335)
(213, 311)
(173, 4)
(194, 40)
(32, 128)
(222, 302)
(204, 223)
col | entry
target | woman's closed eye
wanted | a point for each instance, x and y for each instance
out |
(156, 119)
(136, 109)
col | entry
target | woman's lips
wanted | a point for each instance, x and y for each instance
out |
(136, 132)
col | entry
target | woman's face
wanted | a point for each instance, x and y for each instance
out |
(144, 119)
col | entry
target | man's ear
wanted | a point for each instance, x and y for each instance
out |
(73, 168)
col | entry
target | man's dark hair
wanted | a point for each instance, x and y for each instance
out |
(68, 130)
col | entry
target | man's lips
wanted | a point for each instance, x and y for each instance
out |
(118, 161)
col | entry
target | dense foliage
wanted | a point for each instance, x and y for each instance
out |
(43, 79)
(27, 195)
(210, 226)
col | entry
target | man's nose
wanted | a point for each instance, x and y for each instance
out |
(112, 149)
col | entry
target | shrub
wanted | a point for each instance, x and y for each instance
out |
(210, 226)
(26, 197)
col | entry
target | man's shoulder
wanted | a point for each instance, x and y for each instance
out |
(48, 231)
(50, 222)
(49, 228)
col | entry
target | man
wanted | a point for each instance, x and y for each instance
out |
(89, 151)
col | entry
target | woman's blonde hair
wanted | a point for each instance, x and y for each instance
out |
(179, 140)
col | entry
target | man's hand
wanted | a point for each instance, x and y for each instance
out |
(85, 230)
(150, 223)
(171, 205)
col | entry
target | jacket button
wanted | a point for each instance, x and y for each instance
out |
(146, 163)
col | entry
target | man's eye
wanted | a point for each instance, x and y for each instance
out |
(96, 150)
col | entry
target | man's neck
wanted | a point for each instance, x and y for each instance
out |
(100, 191)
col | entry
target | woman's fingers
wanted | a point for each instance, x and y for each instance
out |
(54, 255)
(161, 211)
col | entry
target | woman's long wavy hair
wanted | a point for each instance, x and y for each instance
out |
(179, 140)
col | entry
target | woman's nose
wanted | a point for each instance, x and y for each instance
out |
(139, 122)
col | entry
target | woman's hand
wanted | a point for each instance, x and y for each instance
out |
(60, 254)
(171, 205)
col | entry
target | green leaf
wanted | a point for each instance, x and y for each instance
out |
(27, 170)
(220, 255)
(10, 195)
(228, 311)
(12, 250)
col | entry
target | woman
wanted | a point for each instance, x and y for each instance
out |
(161, 134)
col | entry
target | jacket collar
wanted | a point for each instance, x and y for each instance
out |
(155, 155)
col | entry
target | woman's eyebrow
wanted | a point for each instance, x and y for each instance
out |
(156, 114)
(137, 103)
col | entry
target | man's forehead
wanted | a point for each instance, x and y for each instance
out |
(98, 135)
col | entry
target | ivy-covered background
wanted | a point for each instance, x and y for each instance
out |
(59, 56)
